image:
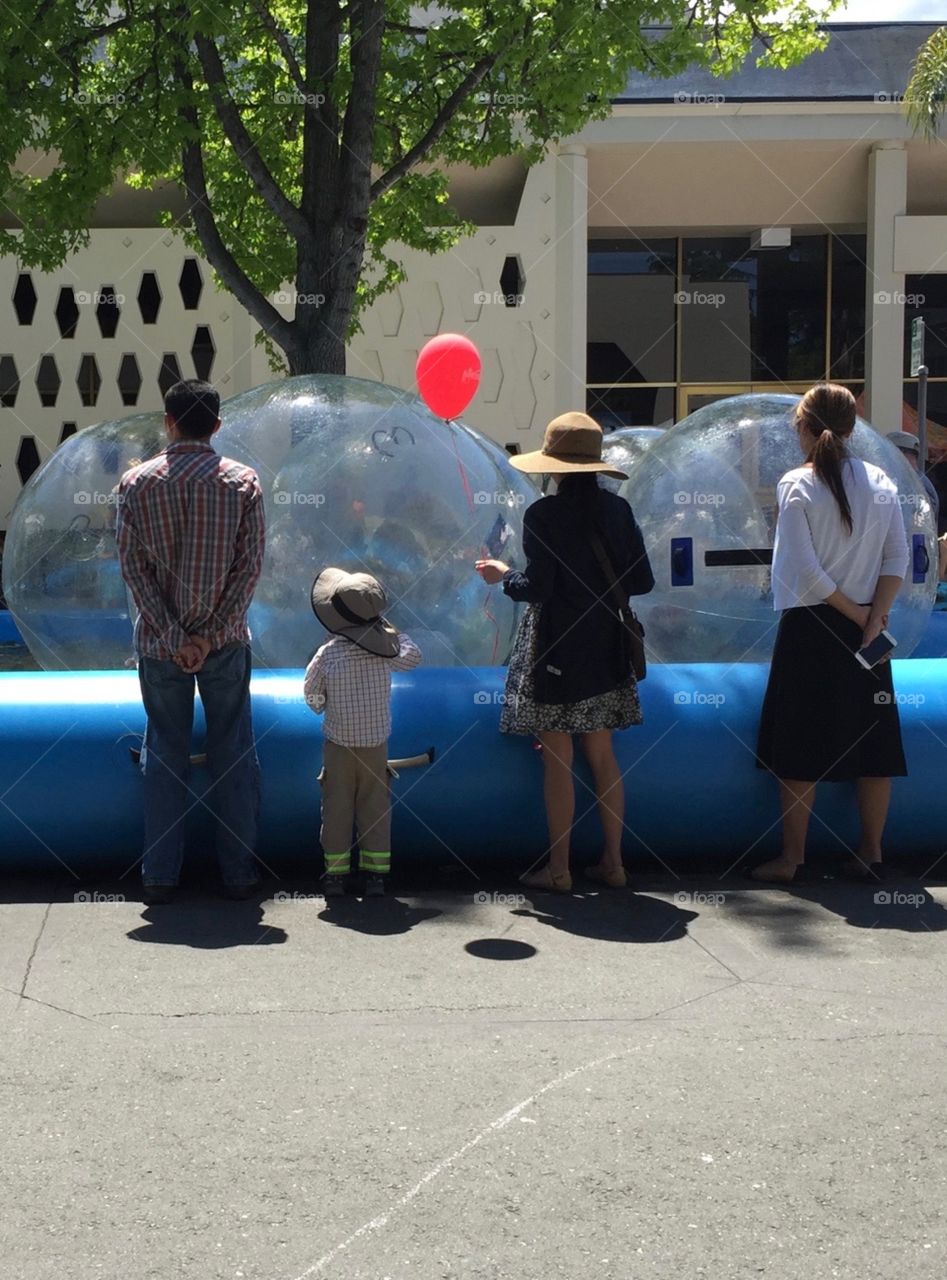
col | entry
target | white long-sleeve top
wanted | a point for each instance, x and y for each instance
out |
(814, 554)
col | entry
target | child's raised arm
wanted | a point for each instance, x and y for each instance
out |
(408, 655)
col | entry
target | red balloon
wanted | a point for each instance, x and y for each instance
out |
(448, 374)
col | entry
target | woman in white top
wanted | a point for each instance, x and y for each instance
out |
(839, 559)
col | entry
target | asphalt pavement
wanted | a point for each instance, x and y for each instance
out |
(694, 1079)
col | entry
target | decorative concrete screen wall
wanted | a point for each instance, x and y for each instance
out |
(135, 310)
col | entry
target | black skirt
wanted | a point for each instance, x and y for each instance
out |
(825, 718)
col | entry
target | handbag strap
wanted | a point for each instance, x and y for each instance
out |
(605, 563)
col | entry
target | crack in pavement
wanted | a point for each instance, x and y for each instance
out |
(32, 955)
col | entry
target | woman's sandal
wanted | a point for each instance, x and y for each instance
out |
(616, 878)
(544, 879)
(767, 873)
(864, 872)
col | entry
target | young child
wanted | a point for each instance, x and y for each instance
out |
(350, 680)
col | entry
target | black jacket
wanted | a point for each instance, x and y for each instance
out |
(581, 651)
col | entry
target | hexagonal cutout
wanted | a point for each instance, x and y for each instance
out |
(24, 298)
(68, 429)
(9, 382)
(48, 382)
(67, 312)
(203, 351)
(149, 298)
(170, 372)
(107, 310)
(191, 284)
(129, 378)
(27, 457)
(512, 281)
(89, 380)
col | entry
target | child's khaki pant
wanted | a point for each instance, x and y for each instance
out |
(355, 795)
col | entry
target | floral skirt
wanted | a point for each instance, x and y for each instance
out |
(617, 709)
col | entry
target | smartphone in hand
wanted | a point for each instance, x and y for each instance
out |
(879, 649)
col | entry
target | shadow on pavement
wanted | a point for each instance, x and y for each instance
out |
(207, 927)
(382, 917)
(621, 916)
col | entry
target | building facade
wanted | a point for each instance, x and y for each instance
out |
(710, 237)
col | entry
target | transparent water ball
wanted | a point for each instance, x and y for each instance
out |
(354, 473)
(363, 476)
(707, 488)
(61, 577)
(624, 447)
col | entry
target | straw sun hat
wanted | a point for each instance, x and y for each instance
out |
(573, 442)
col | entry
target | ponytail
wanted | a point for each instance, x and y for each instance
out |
(828, 412)
(826, 457)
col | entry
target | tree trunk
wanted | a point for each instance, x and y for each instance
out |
(319, 330)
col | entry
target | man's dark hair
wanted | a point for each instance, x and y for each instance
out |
(194, 406)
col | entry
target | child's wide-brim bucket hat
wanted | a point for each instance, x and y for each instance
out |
(351, 605)
(572, 443)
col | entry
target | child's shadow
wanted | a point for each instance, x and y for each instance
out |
(380, 916)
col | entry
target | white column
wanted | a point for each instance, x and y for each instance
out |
(884, 287)
(571, 266)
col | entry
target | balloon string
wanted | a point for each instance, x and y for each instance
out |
(473, 506)
(463, 474)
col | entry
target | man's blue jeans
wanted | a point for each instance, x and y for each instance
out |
(234, 795)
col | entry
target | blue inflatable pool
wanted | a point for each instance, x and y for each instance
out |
(72, 792)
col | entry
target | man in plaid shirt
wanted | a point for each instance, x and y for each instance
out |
(190, 540)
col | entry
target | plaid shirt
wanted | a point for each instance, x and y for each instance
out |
(190, 540)
(353, 687)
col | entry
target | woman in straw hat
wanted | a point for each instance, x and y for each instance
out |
(570, 672)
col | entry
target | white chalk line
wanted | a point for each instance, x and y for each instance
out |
(375, 1224)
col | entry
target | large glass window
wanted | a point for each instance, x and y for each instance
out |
(753, 315)
(631, 311)
(631, 406)
(847, 358)
(927, 296)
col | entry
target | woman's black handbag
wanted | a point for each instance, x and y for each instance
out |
(632, 630)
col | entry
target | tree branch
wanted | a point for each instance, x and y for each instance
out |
(282, 42)
(321, 129)
(438, 127)
(245, 149)
(205, 224)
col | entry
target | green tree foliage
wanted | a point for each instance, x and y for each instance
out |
(312, 137)
(927, 89)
